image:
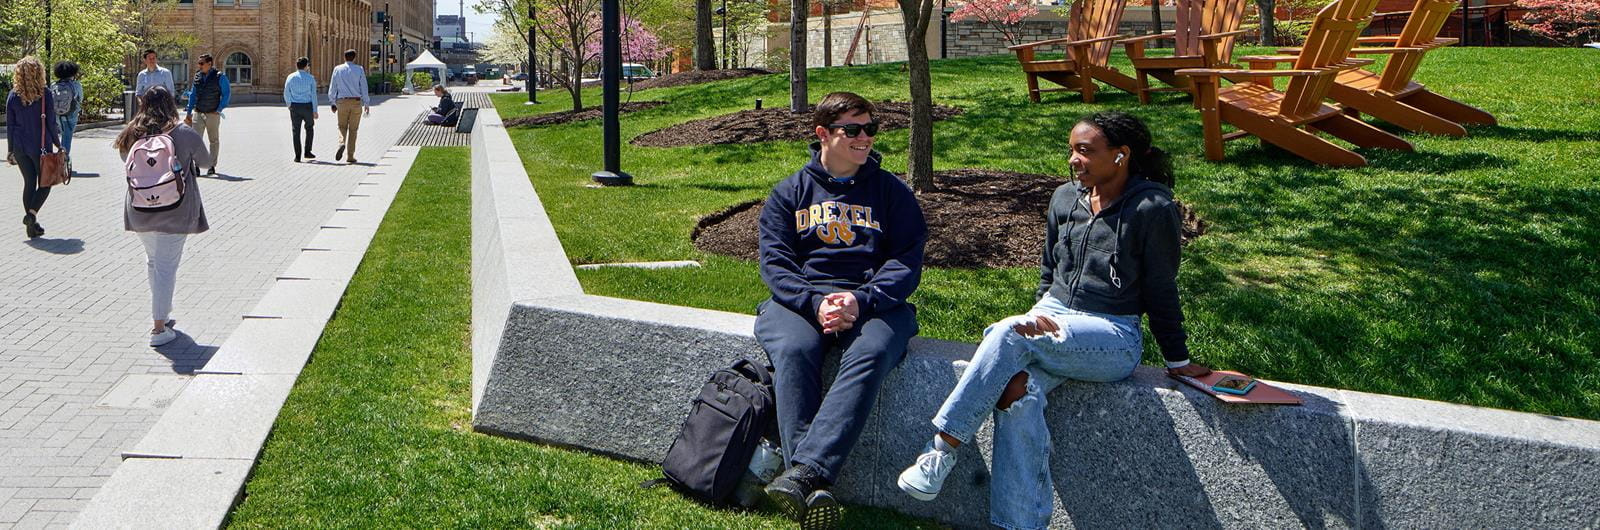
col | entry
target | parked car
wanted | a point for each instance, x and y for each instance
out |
(521, 76)
(635, 71)
(470, 76)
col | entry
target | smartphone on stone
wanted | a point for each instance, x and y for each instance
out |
(1234, 384)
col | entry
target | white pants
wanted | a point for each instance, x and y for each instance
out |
(162, 252)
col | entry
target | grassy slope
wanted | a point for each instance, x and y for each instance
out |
(1463, 272)
(377, 431)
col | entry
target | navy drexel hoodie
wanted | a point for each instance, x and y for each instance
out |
(863, 235)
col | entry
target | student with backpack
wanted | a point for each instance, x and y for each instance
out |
(162, 157)
(841, 251)
(31, 131)
(67, 94)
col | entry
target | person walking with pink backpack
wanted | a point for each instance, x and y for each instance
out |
(162, 157)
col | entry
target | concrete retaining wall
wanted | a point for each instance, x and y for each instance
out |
(614, 377)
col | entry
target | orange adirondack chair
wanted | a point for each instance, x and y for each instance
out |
(1254, 106)
(1091, 26)
(1205, 33)
(1392, 96)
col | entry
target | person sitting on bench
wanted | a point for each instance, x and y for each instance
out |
(447, 111)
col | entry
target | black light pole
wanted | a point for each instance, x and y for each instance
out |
(611, 72)
(944, 31)
(724, 12)
(47, 34)
(533, 60)
(1464, 6)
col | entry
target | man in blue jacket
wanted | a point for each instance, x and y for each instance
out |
(841, 251)
(209, 95)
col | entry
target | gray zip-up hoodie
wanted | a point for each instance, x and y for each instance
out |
(1121, 261)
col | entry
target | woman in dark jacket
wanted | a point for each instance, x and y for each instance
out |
(447, 104)
(1110, 256)
(27, 136)
(163, 233)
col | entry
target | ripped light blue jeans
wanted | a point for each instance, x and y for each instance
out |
(1089, 347)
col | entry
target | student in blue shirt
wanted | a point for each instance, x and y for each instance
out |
(300, 94)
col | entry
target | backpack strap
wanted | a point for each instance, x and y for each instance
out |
(750, 369)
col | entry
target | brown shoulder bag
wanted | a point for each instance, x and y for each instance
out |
(52, 166)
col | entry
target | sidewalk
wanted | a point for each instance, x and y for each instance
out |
(77, 381)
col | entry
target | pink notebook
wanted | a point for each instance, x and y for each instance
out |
(1261, 393)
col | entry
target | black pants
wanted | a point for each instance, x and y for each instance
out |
(817, 430)
(302, 113)
(33, 196)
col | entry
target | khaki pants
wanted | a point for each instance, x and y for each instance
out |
(349, 125)
(210, 125)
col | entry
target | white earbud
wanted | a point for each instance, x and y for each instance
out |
(1118, 161)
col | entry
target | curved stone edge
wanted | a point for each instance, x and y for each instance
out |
(613, 377)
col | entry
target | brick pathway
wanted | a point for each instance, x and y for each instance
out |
(78, 381)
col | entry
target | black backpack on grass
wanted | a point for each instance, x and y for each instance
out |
(733, 411)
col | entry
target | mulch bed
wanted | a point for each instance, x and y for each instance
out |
(771, 124)
(977, 218)
(588, 113)
(695, 77)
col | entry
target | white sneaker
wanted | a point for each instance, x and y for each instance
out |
(923, 479)
(162, 338)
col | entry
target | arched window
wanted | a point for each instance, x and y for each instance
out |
(237, 68)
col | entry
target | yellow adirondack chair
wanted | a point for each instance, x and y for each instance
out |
(1205, 33)
(1091, 26)
(1392, 96)
(1254, 106)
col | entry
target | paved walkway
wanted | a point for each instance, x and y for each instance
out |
(78, 381)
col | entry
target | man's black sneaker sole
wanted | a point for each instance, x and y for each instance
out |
(822, 512)
(787, 495)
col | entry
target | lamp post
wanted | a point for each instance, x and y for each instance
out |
(611, 66)
(944, 30)
(1465, 5)
(724, 12)
(533, 64)
(47, 36)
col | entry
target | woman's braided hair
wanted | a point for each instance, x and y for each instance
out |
(1121, 128)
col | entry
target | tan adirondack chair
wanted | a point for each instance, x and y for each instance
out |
(1204, 34)
(1392, 96)
(1288, 118)
(1091, 27)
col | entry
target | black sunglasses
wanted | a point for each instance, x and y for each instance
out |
(852, 130)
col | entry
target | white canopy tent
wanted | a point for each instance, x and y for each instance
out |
(425, 62)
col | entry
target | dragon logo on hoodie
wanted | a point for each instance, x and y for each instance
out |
(834, 221)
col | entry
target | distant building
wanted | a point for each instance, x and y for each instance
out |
(256, 42)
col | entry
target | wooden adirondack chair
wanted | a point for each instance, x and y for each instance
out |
(1091, 26)
(1205, 33)
(1392, 96)
(1254, 106)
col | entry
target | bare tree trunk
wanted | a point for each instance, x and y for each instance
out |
(705, 48)
(576, 87)
(798, 101)
(827, 33)
(919, 159)
(1268, 10)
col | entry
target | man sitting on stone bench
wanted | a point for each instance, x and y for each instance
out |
(841, 250)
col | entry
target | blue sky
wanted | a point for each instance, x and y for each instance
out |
(478, 25)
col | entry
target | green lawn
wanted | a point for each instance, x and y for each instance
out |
(1466, 271)
(377, 432)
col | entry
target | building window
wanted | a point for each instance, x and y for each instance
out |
(237, 68)
(249, 3)
(223, 2)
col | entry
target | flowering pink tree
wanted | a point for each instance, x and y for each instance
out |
(1005, 16)
(1567, 21)
(638, 44)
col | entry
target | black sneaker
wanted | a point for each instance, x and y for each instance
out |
(35, 231)
(211, 171)
(310, 156)
(338, 154)
(822, 511)
(792, 490)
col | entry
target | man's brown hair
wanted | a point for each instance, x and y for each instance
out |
(838, 104)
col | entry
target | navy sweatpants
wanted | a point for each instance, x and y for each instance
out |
(819, 430)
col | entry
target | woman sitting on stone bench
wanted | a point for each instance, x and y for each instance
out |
(448, 110)
(1110, 255)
